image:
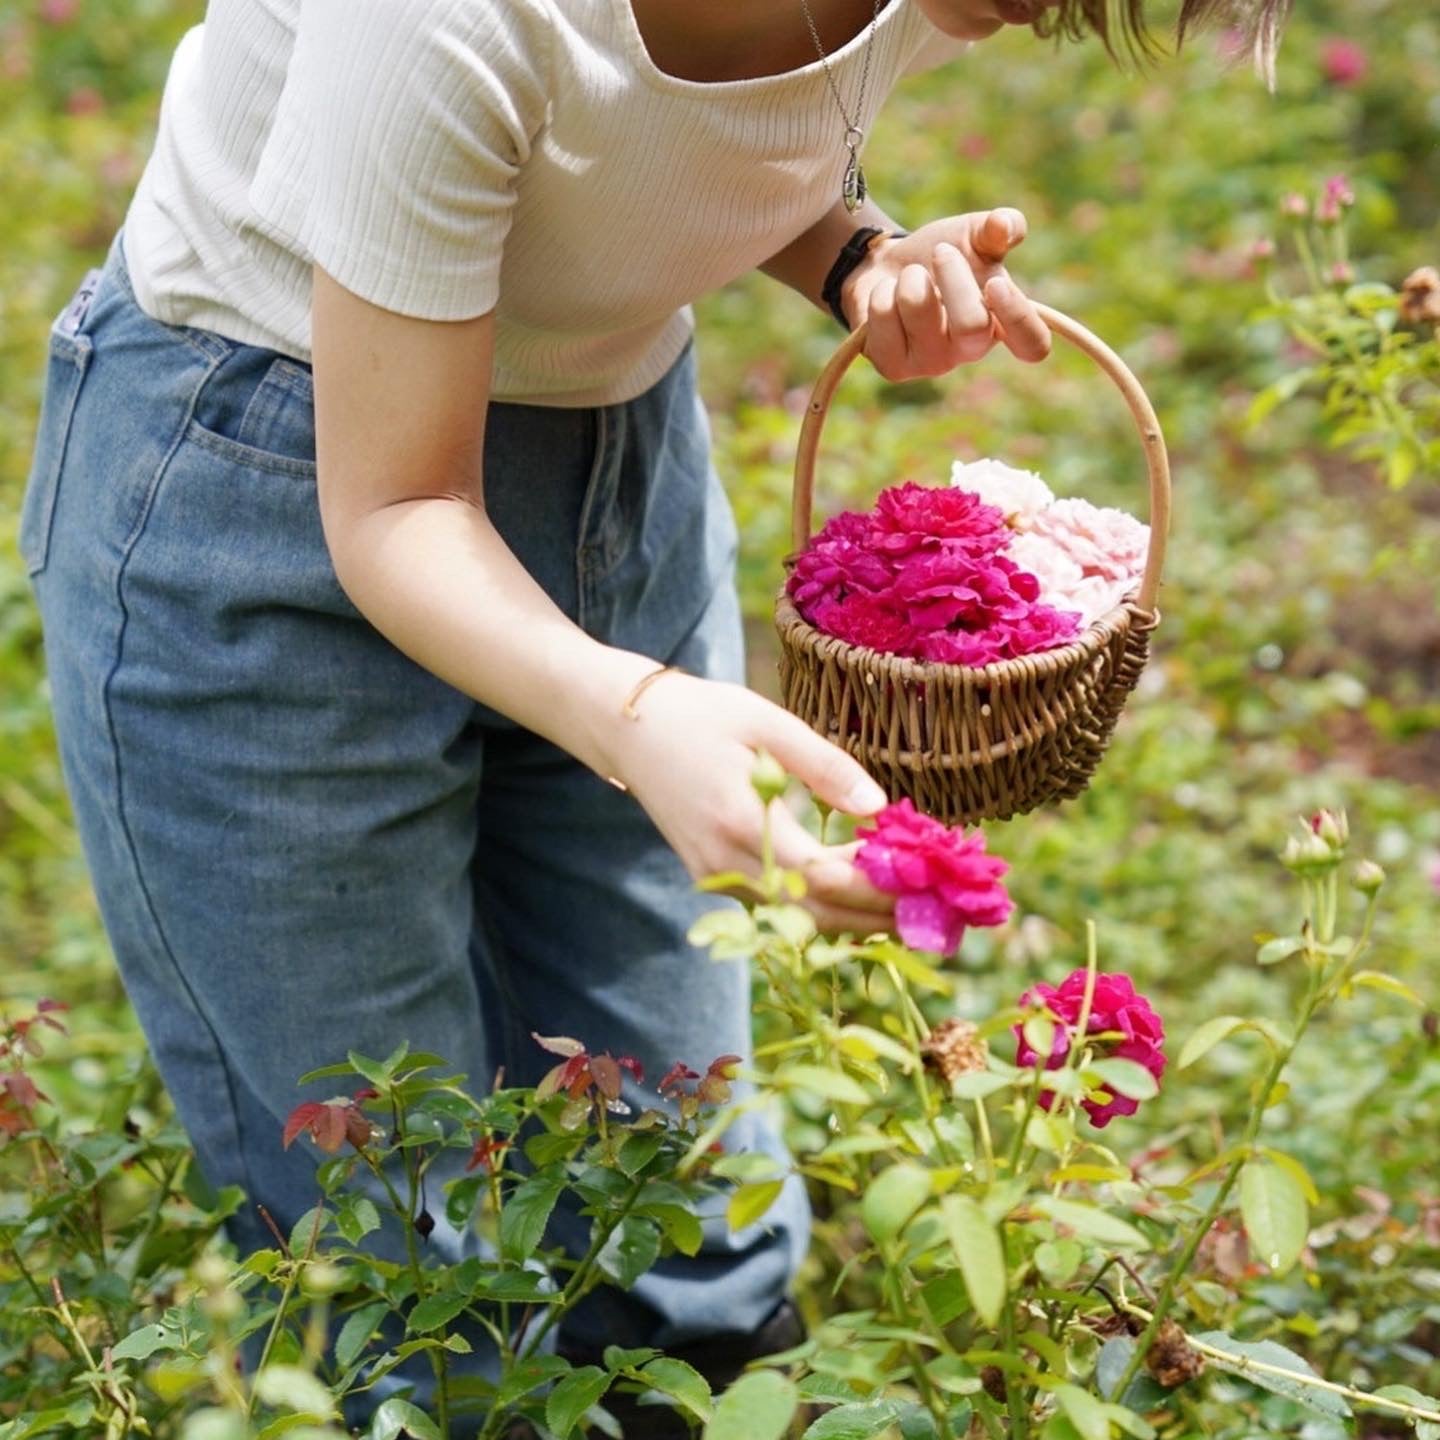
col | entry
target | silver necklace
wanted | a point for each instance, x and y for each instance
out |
(852, 187)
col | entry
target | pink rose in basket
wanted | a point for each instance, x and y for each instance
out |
(868, 620)
(838, 562)
(1104, 542)
(951, 586)
(1020, 495)
(943, 878)
(1063, 583)
(910, 516)
(1127, 1020)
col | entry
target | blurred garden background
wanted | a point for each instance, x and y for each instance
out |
(1297, 665)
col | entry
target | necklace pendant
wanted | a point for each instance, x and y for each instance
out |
(852, 188)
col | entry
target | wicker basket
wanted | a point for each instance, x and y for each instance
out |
(966, 743)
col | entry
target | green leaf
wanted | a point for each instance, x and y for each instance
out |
(757, 1406)
(1424, 1429)
(1301, 1174)
(1282, 947)
(1125, 1077)
(1087, 1414)
(572, 1397)
(142, 1343)
(529, 1375)
(1097, 1224)
(356, 1218)
(978, 1084)
(682, 1229)
(682, 1383)
(437, 1310)
(1213, 1031)
(377, 1072)
(855, 1422)
(750, 1202)
(295, 1389)
(1378, 980)
(638, 1151)
(980, 1253)
(355, 1333)
(828, 1083)
(1277, 1219)
(1236, 1356)
(631, 1250)
(395, 1417)
(525, 1214)
(892, 1198)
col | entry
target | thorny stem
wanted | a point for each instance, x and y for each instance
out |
(1299, 1377)
(933, 1403)
(1318, 988)
(282, 1306)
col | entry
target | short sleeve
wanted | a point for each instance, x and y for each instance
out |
(395, 148)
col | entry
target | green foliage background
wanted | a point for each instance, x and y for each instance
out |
(1299, 660)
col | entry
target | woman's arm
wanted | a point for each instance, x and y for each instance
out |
(934, 299)
(400, 423)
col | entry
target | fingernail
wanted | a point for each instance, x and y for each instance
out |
(865, 797)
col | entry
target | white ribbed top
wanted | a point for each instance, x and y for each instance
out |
(442, 158)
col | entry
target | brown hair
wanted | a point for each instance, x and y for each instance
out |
(1121, 24)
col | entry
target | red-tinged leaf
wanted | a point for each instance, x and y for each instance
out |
(328, 1128)
(558, 1044)
(358, 1130)
(725, 1065)
(301, 1118)
(606, 1074)
(13, 1121)
(675, 1077)
(361, 1096)
(549, 1084)
(20, 1087)
(575, 1076)
(47, 1005)
(630, 1063)
(488, 1150)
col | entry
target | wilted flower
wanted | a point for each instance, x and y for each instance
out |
(1122, 1023)
(1171, 1358)
(1420, 297)
(1343, 62)
(955, 1047)
(943, 878)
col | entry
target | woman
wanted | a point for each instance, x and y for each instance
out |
(371, 494)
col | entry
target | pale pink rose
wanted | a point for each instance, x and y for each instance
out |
(1020, 494)
(1104, 542)
(1063, 583)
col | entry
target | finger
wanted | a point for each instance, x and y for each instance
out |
(998, 233)
(970, 324)
(885, 337)
(831, 877)
(834, 920)
(825, 769)
(1025, 334)
(922, 318)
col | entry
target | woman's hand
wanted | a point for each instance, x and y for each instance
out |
(941, 297)
(688, 759)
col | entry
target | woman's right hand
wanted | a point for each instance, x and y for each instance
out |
(688, 760)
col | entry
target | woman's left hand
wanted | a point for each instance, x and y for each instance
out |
(942, 297)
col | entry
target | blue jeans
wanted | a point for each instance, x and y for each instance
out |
(304, 843)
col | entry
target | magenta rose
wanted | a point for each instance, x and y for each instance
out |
(869, 620)
(942, 877)
(910, 517)
(1118, 1011)
(838, 562)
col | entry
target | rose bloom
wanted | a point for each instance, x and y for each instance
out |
(1019, 495)
(1117, 1008)
(868, 620)
(950, 585)
(1343, 62)
(943, 878)
(836, 563)
(909, 516)
(1063, 583)
(1101, 541)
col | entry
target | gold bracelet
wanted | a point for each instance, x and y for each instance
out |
(628, 709)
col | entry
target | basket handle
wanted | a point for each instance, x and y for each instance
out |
(1142, 411)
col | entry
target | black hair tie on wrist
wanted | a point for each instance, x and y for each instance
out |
(852, 255)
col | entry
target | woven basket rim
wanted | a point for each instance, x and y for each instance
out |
(797, 631)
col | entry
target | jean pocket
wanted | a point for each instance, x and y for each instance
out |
(258, 410)
(69, 358)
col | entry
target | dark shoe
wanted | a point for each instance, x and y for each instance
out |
(720, 1359)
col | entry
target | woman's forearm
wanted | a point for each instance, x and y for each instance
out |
(805, 262)
(434, 576)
